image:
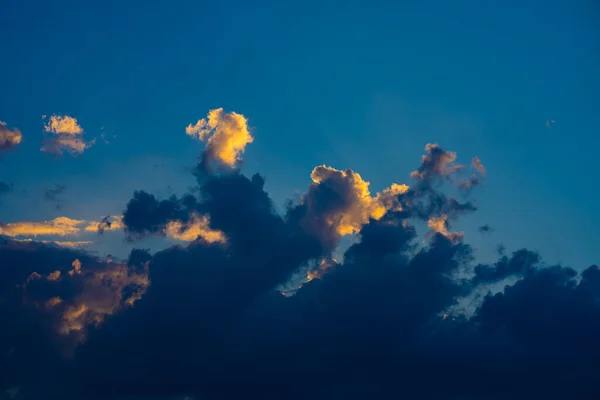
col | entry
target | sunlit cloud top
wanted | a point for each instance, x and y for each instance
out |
(226, 136)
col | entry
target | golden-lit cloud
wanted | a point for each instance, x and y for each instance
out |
(110, 223)
(93, 293)
(67, 136)
(226, 136)
(61, 226)
(326, 265)
(9, 139)
(339, 202)
(197, 227)
(440, 225)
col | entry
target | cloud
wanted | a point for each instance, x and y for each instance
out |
(108, 223)
(52, 195)
(9, 140)
(226, 136)
(62, 298)
(339, 203)
(440, 225)
(436, 163)
(383, 322)
(470, 183)
(476, 163)
(549, 123)
(5, 188)
(66, 135)
(61, 243)
(61, 226)
(485, 229)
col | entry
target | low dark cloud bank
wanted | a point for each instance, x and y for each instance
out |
(205, 320)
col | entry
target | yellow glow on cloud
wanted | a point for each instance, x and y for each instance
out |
(61, 226)
(440, 225)
(226, 134)
(68, 135)
(9, 139)
(358, 205)
(197, 227)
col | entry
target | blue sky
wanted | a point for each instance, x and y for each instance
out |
(351, 86)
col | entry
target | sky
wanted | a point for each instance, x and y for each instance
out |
(110, 108)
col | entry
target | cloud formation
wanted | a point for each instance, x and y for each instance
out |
(9, 140)
(476, 163)
(5, 188)
(65, 135)
(339, 203)
(226, 136)
(204, 318)
(437, 162)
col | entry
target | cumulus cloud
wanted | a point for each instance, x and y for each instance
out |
(65, 135)
(197, 227)
(437, 162)
(339, 203)
(61, 226)
(9, 140)
(226, 135)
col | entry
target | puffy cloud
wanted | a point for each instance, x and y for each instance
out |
(61, 226)
(67, 135)
(436, 163)
(339, 203)
(5, 188)
(226, 136)
(9, 140)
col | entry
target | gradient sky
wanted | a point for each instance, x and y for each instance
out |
(348, 86)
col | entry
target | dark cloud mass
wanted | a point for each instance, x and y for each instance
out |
(205, 320)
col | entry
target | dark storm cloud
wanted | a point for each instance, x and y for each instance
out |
(485, 229)
(208, 323)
